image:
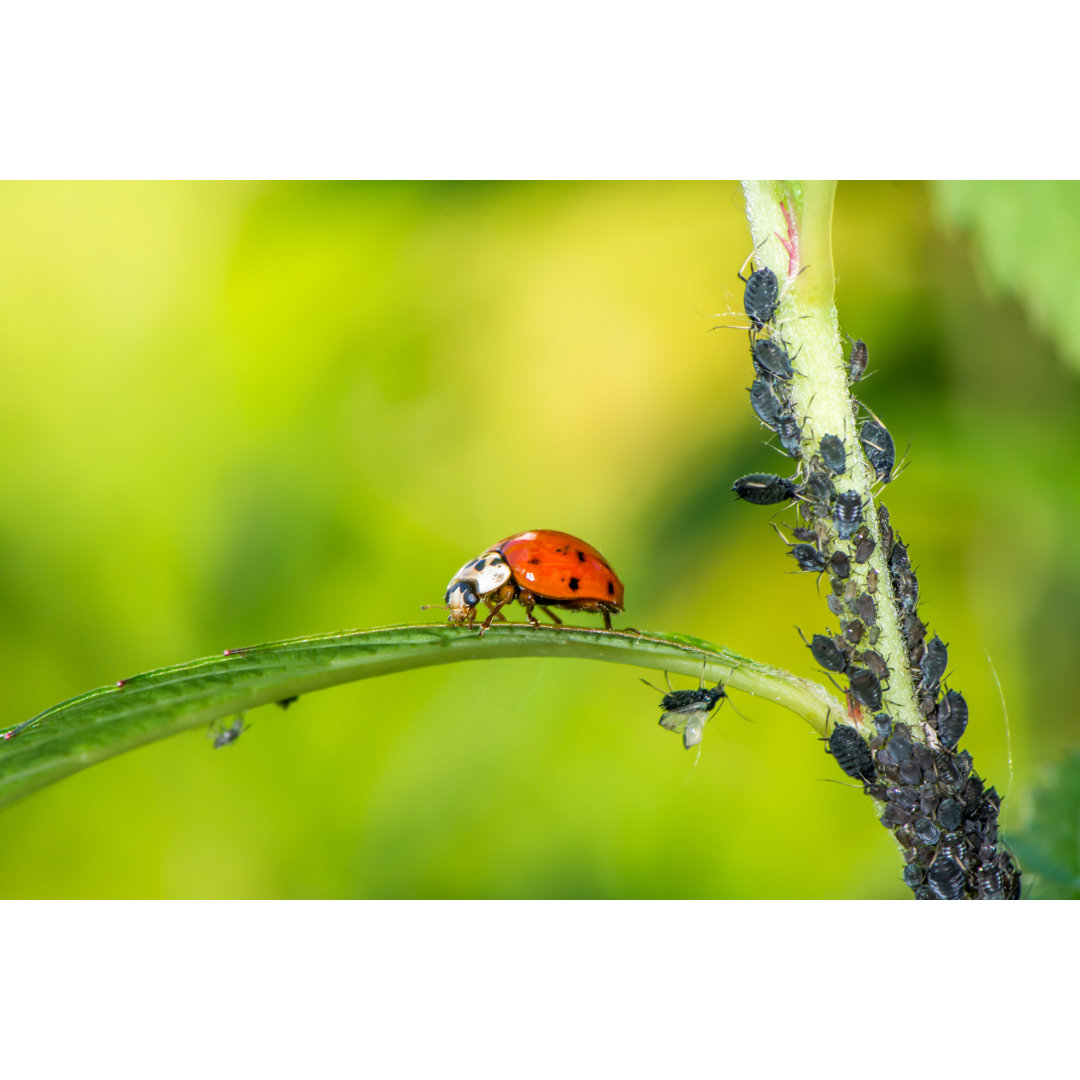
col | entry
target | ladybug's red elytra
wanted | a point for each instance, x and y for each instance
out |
(542, 568)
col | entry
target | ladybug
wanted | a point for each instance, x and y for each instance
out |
(540, 568)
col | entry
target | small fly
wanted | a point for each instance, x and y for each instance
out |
(225, 736)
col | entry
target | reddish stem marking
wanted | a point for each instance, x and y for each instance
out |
(791, 244)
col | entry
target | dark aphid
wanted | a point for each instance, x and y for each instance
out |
(927, 800)
(875, 791)
(225, 736)
(827, 653)
(807, 536)
(833, 453)
(771, 359)
(880, 451)
(883, 723)
(867, 609)
(952, 718)
(910, 773)
(819, 489)
(865, 549)
(947, 773)
(853, 632)
(913, 875)
(858, 360)
(765, 403)
(871, 580)
(901, 742)
(685, 711)
(926, 830)
(808, 557)
(835, 605)
(950, 814)
(946, 879)
(866, 688)
(760, 296)
(988, 882)
(876, 663)
(885, 528)
(285, 702)
(840, 564)
(924, 756)
(848, 514)
(914, 631)
(907, 797)
(895, 814)
(763, 489)
(851, 753)
(899, 563)
(787, 427)
(934, 662)
(952, 846)
(924, 892)
(907, 591)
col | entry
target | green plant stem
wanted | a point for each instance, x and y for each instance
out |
(807, 316)
(103, 723)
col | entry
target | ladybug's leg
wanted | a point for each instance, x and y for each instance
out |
(494, 611)
(551, 615)
(607, 620)
(528, 602)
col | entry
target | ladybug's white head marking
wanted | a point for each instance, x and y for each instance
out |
(476, 579)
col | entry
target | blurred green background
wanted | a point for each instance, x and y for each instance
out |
(232, 413)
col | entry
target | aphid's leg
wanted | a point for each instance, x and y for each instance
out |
(551, 615)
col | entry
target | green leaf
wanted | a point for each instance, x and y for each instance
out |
(1050, 844)
(1027, 238)
(105, 722)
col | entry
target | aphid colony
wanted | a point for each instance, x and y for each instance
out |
(932, 800)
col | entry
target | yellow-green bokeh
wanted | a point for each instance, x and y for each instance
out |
(239, 412)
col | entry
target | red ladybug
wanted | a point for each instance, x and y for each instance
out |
(541, 568)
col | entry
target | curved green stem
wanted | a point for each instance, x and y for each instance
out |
(103, 723)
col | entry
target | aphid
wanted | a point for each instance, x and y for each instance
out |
(840, 564)
(934, 662)
(880, 451)
(914, 631)
(895, 814)
(950, 814)
(910, 773)
(763, 489)
(871, 580)
(807, 536)
(907, 591)
(285, 702)
(988, 882)
(848, 514)
(926, 830)
(808, 557)
(686, 711)
(760, 296)
(771, 359)
(865, 549)
(853, 632)
(541, 568)
(866, 688)
(885, 528)
(876, 663)
(946, 879)
(858, 360)
(827, 653)
(899, 562)
(765, 403)
(833, 453)
(819, 489)
(952, 718)
(787, 427)
(851, 752)
(907, 797)
(913, 875)
(867, 609)
(835, 605)
(883, 723)
(225, 736)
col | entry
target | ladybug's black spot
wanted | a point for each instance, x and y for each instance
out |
(534, 562)
(611, 588)
(480, 564)
(581, 556)
(574, 584)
